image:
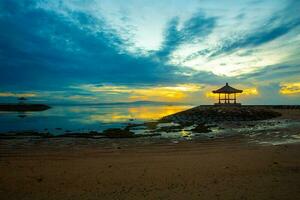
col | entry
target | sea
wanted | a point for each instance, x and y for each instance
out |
(64, 118)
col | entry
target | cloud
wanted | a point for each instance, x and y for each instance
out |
(192, 30)
(273, 74)
(271, 30)
(175, 93)
(11, 94)
(45, 49)
(290, 88)
(244, 44)
(48, 46)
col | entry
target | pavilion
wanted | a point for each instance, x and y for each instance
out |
(227, 91)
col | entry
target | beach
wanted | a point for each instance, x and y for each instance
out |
(238, 166)
(133, 100)
(220, 169)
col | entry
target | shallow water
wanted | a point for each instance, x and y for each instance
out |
(84, 118)
(62, 119)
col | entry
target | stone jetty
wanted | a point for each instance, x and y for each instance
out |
(213, 114)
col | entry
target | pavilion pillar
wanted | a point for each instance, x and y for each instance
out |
(235, 98)
(227, 98)
(219, 98)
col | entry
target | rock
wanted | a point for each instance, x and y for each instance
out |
(93, 132)
(201, 128)
(212, 114)
(118, 133)
(151, 125)
(169, 129)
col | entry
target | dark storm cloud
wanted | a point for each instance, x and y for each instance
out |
(43, 49)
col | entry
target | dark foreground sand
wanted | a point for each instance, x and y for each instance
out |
(219, 169)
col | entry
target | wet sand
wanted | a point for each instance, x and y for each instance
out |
(219, 169)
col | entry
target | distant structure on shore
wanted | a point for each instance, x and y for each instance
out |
(227, 91)
(22, 100)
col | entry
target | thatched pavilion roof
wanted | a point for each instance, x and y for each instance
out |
(227, 89)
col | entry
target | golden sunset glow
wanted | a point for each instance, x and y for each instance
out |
(249, 91)
(82, 97)
(155, 93)
(155, 112)
(290, 88)
(10, 94)
(171, 93)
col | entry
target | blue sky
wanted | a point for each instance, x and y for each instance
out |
(171, 50)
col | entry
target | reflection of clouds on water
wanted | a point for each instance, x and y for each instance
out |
(103, 118)
(154, 112)
(139, 113)
(84, 117)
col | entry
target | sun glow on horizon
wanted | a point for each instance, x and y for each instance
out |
(173, 93)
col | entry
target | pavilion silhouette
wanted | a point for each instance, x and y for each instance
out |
(227, 99)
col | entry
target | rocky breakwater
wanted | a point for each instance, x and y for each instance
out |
(214, 114)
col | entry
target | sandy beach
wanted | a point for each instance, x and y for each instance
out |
(220, 169)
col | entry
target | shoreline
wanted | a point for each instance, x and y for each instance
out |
(182, 125)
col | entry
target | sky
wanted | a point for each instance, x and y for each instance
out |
(82, 51)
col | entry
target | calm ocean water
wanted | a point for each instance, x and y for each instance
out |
(84, 118)
(61, 119)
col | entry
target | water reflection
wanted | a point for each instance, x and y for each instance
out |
(84, 118)
(140, 113)
(154, 112)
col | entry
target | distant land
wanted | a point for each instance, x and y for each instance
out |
(16, 107)
(23, 107)
(122, 103)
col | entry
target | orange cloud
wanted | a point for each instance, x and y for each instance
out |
(250, 91)
(156, 93)
(289, 88)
